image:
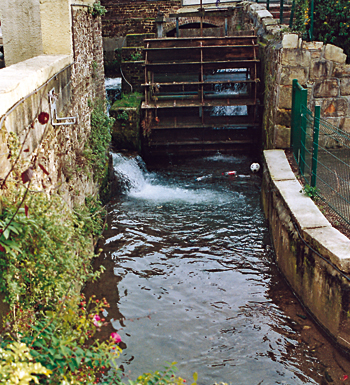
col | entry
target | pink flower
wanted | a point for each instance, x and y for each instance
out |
(116, 337)
(96, 318)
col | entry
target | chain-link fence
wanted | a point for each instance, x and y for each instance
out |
(323, 154)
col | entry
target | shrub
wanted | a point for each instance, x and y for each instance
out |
(331, 22)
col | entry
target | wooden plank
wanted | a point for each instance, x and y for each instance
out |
(197, 103)
(196, 41)
(199, 83)
(195, 66)
(204, 47)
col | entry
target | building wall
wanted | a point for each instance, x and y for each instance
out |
(21, 28)
(58, 150)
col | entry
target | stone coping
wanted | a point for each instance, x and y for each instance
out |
(314, 227)
(21, 79)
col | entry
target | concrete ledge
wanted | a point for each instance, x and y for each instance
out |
(315, 227)
(331, 244)
(313, 256)
(303, 209)
(19, 80)
(279, 167)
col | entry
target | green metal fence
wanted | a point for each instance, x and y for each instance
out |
(322, 152)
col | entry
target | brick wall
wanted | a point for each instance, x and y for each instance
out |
(126, 17)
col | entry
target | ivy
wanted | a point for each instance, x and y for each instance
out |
(96, 148)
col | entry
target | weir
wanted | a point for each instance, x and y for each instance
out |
(193, 87)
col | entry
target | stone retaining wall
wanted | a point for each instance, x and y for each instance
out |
(77, 83)
(320, 68)
(311, 254)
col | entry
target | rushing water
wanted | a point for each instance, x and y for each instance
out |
(190, 278)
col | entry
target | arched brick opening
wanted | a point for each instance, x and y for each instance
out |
(191, 25)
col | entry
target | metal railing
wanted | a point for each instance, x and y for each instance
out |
(322, 152)
(281, 4)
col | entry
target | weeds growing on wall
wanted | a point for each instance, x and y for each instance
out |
(96, 148)
(331, 22)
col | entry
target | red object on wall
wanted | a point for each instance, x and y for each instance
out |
(43, 117)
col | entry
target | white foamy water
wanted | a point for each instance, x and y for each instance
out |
(113, 83)
(137, 183)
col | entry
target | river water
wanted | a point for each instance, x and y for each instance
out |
(191, 278)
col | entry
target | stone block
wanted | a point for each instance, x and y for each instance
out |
(303, 209)
(283, 117)
(332, 244)
(278, 165)
(334, 53)
(296, 57)
(334, 107)
(345, 86)
(341, 71)
(285, 97)
(290, 41)
(281, 136)
(346, 125)
(263, 14)
(312, 45)
(320, 69)
(290, 73)
(269, 21)
(327, 88)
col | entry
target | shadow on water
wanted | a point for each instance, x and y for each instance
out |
(190, 278)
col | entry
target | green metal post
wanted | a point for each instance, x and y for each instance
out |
(295, 137)
(315, 146)
(281, 11)
(268, 4)
(311, 30)
(292, 15)
(303, 124)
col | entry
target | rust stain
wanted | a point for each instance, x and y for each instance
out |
(329, 110)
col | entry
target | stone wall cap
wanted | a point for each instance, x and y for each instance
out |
(290, 40)
(263, 13)
(278, 165)
(313, 45)
(334, 53)
(19, 80)
(331, 244)
(303, 209)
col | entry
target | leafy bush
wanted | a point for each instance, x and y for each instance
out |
(331, 22)
(44, 250)
(97, 9)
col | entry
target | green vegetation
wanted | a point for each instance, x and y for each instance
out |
(97, 9)
(128, 101)
(311, 192)
(48, 335)
(331, 22)
(100, 137)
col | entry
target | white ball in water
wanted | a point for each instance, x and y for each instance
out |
(255, 167)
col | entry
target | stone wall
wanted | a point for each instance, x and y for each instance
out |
(311, 254)
(55, 152)
(320, 68)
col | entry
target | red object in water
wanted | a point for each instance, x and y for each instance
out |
(43, 117)
(228, 173)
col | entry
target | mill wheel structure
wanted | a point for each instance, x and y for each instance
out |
(201, 93)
